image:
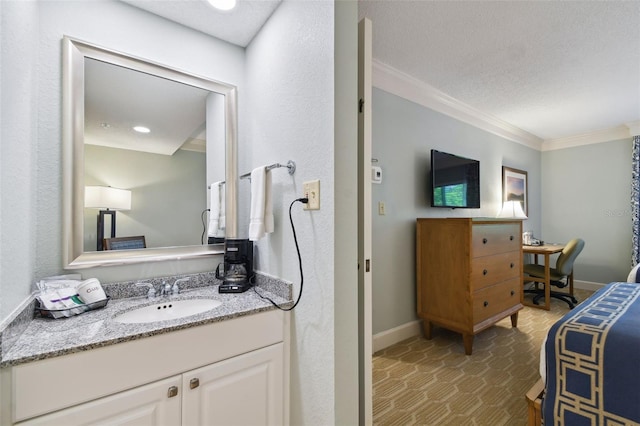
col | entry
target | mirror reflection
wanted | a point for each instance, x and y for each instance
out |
(146, 135)
(143, 144)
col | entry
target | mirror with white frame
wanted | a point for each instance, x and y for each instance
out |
(165, 174)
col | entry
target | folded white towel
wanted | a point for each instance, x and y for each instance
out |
(216, 210)
(261, 221)
(222, 224)
(268, 204)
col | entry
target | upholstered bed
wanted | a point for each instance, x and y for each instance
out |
(590, 363)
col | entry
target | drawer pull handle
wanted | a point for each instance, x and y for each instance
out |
(484, 241)
(512, 264)
(513, 292)
(194, 383)
(485, 272)
(486, 303)
(173, 391)
(510, 237)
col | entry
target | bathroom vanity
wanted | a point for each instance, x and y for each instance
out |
(225, 366)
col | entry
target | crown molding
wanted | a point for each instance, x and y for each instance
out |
(634, 128)
(196, 145)
(623, 131)
(398, 83)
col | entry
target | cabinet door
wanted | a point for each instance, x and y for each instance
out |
(244, 390)
(143, 406)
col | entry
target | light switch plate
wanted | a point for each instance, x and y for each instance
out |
(376, 174)
(382, 210)
(312, 192)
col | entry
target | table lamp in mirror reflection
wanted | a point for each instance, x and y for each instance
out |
(512, 210)
(108, 200)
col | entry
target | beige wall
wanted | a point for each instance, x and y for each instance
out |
(168, 194)
(587, 194)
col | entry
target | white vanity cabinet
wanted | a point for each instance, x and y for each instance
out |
(148, 405)
(234, 372)
(243, 390)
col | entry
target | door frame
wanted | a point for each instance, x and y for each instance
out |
(365, 329)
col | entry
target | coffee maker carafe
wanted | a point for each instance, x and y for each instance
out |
(237, 273)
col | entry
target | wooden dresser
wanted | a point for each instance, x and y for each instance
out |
(468, 274)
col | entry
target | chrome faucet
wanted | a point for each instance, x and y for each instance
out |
(175, 289)
(165, 289)
(151, 294)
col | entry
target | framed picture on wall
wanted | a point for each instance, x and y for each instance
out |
(514, 187)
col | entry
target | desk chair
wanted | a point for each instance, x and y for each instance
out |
(562, 271)
(125, 243)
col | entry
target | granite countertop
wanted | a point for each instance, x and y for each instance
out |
(45, 338)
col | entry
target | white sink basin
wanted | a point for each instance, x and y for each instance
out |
(167, 310)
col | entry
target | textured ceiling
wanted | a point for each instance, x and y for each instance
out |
(118, 98)
(552, 68)
(237, 26)
(176, 118)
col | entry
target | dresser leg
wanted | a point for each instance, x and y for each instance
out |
(467, 340)
(428, 329)
(514, 320)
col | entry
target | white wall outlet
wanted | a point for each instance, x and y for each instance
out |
(312, 192)
(381, 208)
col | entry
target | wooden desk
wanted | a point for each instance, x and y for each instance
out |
(547, 250)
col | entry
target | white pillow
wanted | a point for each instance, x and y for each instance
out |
(633, 278)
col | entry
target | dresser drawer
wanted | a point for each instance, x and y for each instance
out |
(490, 301)
(489, 270)
(488, 239)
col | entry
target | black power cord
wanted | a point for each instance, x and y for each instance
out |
(295, 239)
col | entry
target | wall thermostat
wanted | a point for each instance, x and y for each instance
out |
(376, 174)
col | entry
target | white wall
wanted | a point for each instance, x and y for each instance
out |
(291, 114)
(290, 90)
(587, 194)
(18, 152)
(403, 135)
(31, 133)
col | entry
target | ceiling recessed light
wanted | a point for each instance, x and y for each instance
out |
(222, 4)
(142, 129)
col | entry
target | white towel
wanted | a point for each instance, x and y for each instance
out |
(222, 224)
(261, 222)
(216, 210)
(268, 204)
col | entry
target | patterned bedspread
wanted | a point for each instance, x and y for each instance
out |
(593, 361)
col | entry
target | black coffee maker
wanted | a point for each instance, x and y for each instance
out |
(237, 273)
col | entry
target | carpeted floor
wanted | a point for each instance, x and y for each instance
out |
(432, 382)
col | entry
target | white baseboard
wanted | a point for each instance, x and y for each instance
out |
(387, 338)
(390, 337)
(587, 285)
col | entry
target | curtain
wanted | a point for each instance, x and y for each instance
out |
(635, 201)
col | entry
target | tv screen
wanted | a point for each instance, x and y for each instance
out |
(455, 181)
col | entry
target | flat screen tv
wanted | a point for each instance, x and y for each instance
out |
(455, 181)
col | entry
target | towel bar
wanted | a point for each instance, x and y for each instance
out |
(290, 165)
